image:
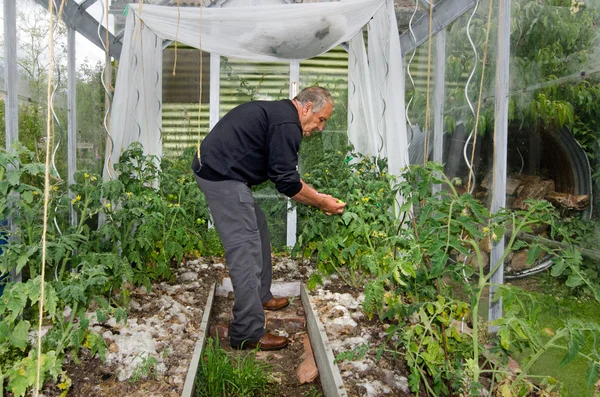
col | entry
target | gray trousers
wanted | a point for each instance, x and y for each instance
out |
(242, 227)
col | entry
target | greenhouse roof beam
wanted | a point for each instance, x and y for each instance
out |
(76, 17)
(85, 4)
(444, 13)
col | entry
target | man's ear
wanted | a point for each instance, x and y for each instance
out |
(307, 107)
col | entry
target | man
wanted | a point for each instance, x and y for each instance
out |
(254, 142)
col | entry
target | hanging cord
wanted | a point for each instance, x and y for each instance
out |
(176, 37)
(46, 192)
(383, 84)
(485, 51)
(412, 82)
(200, 88)
(158, 45)
(476, 60)
(56, 122)
(479, 101)
(133, 80)
(427, 100)
(142, 27)
(107, 90)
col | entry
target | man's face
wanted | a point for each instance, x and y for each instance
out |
(312, 122)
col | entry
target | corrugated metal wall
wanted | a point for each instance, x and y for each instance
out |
(241, 81)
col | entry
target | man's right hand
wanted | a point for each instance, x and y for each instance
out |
(326, 203)
(332, 205)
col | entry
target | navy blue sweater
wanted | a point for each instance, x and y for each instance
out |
(254, 142)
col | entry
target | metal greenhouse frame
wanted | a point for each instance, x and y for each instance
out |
(444, 12)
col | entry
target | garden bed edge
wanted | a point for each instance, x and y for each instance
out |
(189, 385)
(331, 379)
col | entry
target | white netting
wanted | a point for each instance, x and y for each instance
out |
(283, 33)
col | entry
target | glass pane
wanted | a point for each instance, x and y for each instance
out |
(555, 89)
(329, 70)
(181, 92)
(91, 108)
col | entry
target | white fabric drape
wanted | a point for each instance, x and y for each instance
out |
(376, 118)
(137, 103)
(267, 33)
(283, 32)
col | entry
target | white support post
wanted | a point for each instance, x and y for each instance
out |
(10, 73)
(500, 149)
(440, 92)
(292, 215)
(215, 89)
(72, 122)
(11, 111)
(215, 98)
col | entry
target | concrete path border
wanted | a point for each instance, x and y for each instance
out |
(331, 380)
(189, 385)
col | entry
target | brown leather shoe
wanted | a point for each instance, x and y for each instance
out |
(276, 303)
(267, 342)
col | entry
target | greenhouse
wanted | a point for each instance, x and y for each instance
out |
(300, 198)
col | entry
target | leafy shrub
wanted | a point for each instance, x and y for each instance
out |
(149, 219)
(349, 244)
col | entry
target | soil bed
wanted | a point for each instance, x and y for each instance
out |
(339, 308)
(162, 324)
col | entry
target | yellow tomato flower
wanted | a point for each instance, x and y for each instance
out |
(94, 178)
(86, 175)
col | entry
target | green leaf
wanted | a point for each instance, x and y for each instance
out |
(591, 375)
(533, 254)
(4, 331)
(51, 299)
(27, 196)
(504, 334)
(346, 217)
(574, 281)
(559, 267)
(18, 336)
(13, 177)
(572, 351)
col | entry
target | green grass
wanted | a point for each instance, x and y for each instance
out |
(223, 374)
(558, 306)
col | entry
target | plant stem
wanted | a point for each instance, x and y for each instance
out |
(560, 334)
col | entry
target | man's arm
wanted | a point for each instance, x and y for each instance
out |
(326, 203)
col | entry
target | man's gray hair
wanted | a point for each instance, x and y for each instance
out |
(317, 95)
